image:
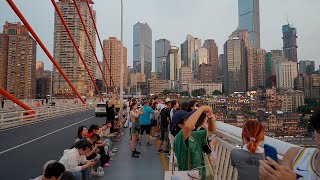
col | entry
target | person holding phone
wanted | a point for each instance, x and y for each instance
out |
(298, 162)
(134, 114)
(188, 143)
(246, 160)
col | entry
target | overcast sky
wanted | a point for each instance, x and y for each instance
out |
(174, 19)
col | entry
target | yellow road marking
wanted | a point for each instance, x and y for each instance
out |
(163, 158)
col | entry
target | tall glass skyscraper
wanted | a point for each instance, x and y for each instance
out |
(162, 47)
(142, 48)
(249, 19)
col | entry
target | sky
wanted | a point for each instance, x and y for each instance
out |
(174, 19)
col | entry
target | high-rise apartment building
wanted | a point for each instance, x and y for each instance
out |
(306, 67)
(205, 73)
(286, 73)
(39, 68)
(190, 45)
(256, 67)
(234, 66)
(309, 84)
(112, 48)
(43, 84)
(65, 54)
(142, 48)
(162, 47)
(212, 49)
(185, 78)
(249, 19)
(18, 61)
(290, 47)
(199, 56)
(173, 64)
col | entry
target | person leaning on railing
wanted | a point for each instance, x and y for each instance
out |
(189, 141)
(246, 160)
(297, 163)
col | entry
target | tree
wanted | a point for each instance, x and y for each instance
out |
(166, 92)
(184, 93)
(198, 92)
(216, 93)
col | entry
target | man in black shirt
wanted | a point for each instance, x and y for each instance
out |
(164, 133)
(110, 114)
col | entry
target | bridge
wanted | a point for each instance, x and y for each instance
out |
(25, 147)
(31, 135)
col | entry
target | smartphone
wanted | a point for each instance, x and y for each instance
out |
(271, 152)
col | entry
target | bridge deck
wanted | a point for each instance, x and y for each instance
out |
(24, 150)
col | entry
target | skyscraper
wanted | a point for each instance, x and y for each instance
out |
(65, 54)
(256, 67)
(199, 56)
(290, 47)
(213, 60)
(249, 19)
(234, 66)
(18, 61)
(39, 68)
(142, 48)
(162, 47)
(286, 73)
(112, 48)
(190, 45)
(173, 64)
(306, 67)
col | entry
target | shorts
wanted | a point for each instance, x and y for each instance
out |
(145, 127)
(154, 123)
(134, 130)
(164, 135)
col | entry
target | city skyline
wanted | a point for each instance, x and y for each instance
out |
(271, 18)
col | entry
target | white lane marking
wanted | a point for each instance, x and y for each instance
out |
(28, 142)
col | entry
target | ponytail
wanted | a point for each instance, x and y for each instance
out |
(253, 134)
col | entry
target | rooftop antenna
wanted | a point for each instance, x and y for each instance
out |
(287, 18)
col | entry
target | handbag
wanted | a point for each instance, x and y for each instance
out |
(194, 174)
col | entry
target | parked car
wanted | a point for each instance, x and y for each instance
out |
(101, 109)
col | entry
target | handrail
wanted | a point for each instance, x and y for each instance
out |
(234, 134)
(18, 118)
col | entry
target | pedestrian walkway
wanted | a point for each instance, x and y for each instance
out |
(124, 167)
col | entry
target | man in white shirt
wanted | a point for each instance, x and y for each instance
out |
(74, 160)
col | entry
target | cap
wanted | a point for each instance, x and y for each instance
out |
(177, 118)
(168, 100)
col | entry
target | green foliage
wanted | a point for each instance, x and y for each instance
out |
(198, 92)
(216, 93)
(184, 93)
(166, 92)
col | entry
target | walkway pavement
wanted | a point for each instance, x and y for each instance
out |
(124, 167)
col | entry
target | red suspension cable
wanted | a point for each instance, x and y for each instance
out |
(89, 39)
(76, 46)
(25, 22)
(100, 42)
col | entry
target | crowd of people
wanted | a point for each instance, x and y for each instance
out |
(90, 153)
(185, 132)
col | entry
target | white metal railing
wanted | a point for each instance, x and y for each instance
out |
(18, 118)
(228, 137)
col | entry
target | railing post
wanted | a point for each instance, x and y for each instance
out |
(1, 120)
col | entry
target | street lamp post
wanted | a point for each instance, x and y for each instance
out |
(121, 63)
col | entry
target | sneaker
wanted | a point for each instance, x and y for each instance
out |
(94, 173)
(160, 151)
(100, 170)
(114, 150)
(166, 152)
(111, 154)
(137, 152)
(106, 165)
(134, 155)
